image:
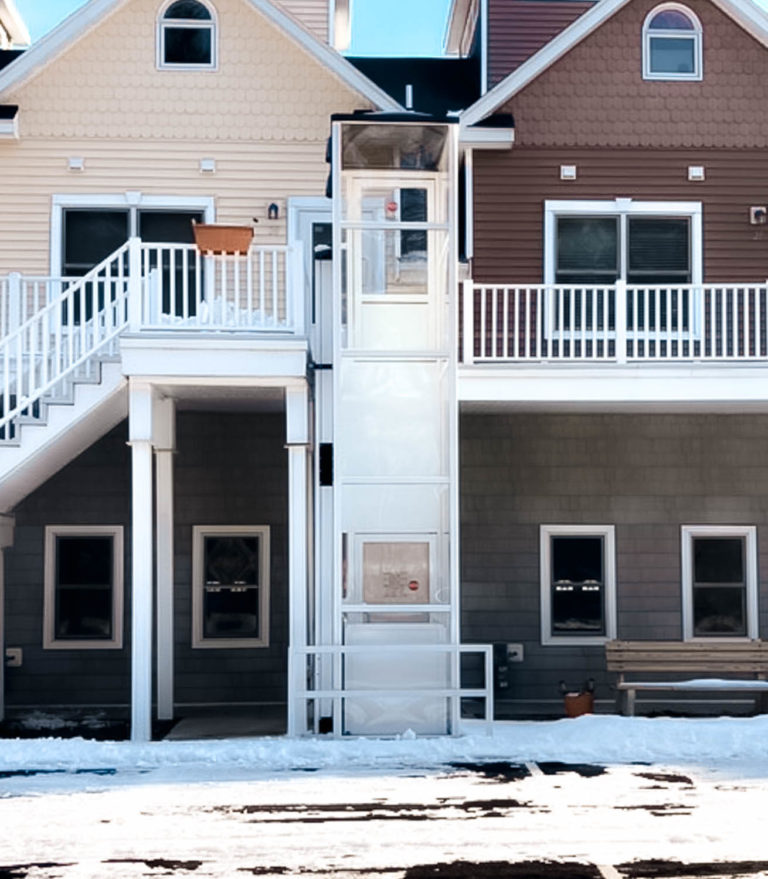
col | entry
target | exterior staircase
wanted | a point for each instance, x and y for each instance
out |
(61, 385)
(61, 379)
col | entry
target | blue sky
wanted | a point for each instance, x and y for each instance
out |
(379, 25)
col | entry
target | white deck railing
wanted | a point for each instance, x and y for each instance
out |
(53, 329)
(185, 289)
(617, 324)
(62, 339)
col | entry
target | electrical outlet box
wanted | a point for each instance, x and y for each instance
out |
(758, 214)
(13, 657)
(515, 653)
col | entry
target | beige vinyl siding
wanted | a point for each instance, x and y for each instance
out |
(313, 14)
(248, 178)
(107, 85)
(263, 116)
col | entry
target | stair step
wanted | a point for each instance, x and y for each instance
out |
(61, 395)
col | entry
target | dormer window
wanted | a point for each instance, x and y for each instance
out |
(672, 44)
(186, 36)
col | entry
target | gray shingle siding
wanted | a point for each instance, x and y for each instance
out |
(231, 469)
(646, 474)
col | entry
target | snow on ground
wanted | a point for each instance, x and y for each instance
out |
(238, 806)
(604, 739)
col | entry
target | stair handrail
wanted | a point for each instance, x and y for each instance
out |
(63, 346)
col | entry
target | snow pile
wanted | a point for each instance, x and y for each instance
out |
(602, 739)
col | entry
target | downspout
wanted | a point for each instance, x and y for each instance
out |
(483, 46)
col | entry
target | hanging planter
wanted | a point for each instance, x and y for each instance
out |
(218, 238)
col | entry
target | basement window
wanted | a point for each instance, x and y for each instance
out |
(186, 36)
(230, 586)
(578, 584)
(83, 593)
(719, 565)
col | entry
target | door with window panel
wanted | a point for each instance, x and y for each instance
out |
(652, 255)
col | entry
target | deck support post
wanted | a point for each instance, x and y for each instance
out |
(297, 436)
(6, 540)
(165, 448)
(140, 419)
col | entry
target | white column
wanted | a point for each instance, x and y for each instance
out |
(140, 439)
(165, 447)
(297, 435)
(6, 540)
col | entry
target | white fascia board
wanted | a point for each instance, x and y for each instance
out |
(749, 15)
(538, 63)
(487, 138)
(327, 56)
(56, 41)
(9, 128)
(147, 356)
(14, 24)
(743, 12)
(456, 26)
(340, 24)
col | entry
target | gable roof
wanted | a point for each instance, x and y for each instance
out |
(85, 19)
(744, 12)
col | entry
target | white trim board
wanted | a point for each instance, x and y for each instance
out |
(608, 533)
(14, 24)
(115, 640)
(746, 14)
(121, 200)
(82, 21)
(749, 534)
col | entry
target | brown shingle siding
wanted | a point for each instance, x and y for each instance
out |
(595, 94)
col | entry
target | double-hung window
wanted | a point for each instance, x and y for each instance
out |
(578, 584)
(719, 570)
(230, 586)
(83, 597)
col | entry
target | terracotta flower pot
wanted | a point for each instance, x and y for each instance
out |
(577, 704)
(218, 238)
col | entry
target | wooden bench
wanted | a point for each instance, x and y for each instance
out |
(746, 659)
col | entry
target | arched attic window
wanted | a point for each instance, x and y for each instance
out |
(672, 43)
(186, 35)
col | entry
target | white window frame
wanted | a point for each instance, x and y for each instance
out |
(133, 202)
(695, 35)
(50, 641)
(199, 533)
(623, 208)
(749, 533)
(192, 24)
(608, 533)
